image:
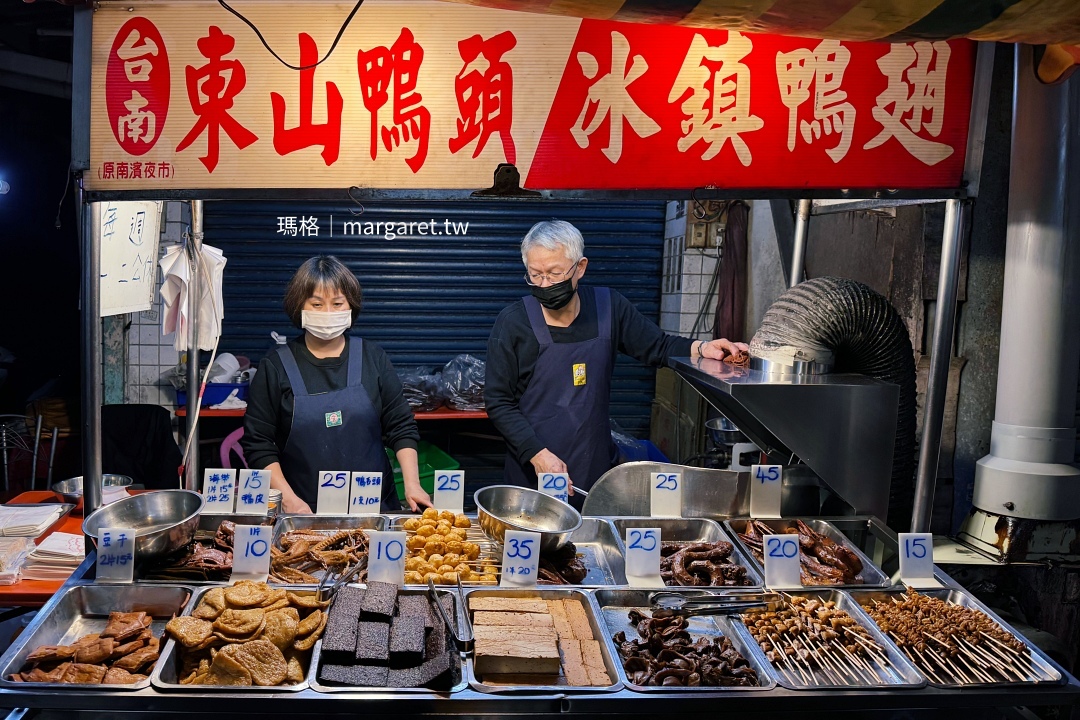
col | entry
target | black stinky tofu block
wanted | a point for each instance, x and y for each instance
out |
(433, 668)
(379, 601)
(416, 606)
(447, 602)
(436, 642)
(423, 675)
(407, 636)
(339, 638)
(372, 643)
(355, 675)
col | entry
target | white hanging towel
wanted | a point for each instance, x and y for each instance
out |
(176, 271)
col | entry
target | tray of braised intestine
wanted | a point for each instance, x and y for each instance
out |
(827, 558)
(695, 552)
(955, 640)
(821, 640)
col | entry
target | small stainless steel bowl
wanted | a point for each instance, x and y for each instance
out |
(163, 520)
(508, 507)
(72, 490)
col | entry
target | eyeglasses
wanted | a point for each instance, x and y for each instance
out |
(552, 277)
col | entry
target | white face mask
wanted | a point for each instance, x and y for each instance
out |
(326, 325)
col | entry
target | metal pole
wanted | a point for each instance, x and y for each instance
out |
(33, 463)
(194, 380)
(940, 359)
(798, 251)
(89, 224)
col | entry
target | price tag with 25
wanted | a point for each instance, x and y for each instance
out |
(643, 557)
(333, 492)
(782, 561)
(557, 485)
(449, 490)
(666, 494)
(366, 493)
(386, 556)
(251, 552)
(219, 489)
(917, 559)
(116, 555)
(765, 487)
(254, 494)
(521, 558)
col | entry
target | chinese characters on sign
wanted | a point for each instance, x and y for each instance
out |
(595, 104)
(115, 554)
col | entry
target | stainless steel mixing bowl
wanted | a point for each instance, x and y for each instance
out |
(163, 520)
(509, 507)
(71, 489)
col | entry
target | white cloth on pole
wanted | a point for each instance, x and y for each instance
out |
(176, 273)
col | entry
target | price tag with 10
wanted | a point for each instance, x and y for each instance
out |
(665, 494)
(219, 489)
(782, 565)
(386, 556)
(643, 557)
(557, 485)
(765, 487)
(521, 558)
(253, 497)
(116, 555)
(449, 490)
(251, 552)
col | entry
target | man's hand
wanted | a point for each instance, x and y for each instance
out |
(546, 461)
(417, 498)
(720, 349)
(292, 503)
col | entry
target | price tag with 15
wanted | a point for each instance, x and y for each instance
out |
(917, 559)
(219, 489)
(253, 497)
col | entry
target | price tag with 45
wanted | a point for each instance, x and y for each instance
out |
(765, 487)
(521, 558)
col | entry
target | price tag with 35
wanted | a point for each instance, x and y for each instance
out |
(521, 558)
(333, 492)
(643, 557)
(366, 493)
(251, 552)
(917, 559)
(254, 494)
(557, 485)
(115, 555)
(782, 561)
(666, 494)
(386, 556)
(219, 489)
(449, 490)
(765, 486)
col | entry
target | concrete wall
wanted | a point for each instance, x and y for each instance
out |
(685, 300)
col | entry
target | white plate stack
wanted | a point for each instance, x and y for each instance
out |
(55, 558)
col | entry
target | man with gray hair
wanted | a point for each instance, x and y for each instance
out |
(550, 358)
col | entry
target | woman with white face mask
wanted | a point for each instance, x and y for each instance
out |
(328, 401)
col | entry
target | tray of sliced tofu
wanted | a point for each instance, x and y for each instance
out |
(539, 640)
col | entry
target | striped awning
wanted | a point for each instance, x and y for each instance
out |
(1051, 23)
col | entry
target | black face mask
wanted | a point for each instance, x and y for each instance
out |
(557, 296)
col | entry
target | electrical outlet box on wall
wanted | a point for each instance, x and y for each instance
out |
(697, 234)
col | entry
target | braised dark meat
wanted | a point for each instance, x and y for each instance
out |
(562, 567)
(667, 655)
(700, 564)
(207, 559)
(224, 537)
(822, 561)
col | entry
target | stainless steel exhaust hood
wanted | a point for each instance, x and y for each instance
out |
(842, 426)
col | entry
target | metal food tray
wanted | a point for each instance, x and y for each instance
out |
(83, 610)
(899, 674)
(602, 553)
(205, 531)
(1048, 672)
(599, 631)
(614, 606)
(166, 675)
(871, 574)
(460, 684)
(327, 524)
(490, 551)
(693, 530)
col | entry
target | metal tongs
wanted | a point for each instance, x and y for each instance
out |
(337, 581)
(665, 604)
(464, 638)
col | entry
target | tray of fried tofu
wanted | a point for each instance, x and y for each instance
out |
(104, 637)
(538, 640)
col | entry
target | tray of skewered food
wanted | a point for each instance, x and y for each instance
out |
(695, 552)
(445, 547)
(827, 558)
(955, 640)
(306, 547)
(678, 652)
(823, 640)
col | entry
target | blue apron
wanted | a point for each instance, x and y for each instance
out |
(568, 398)
(336, 430)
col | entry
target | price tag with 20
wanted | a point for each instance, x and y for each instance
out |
(521, 558)
(782, 561)
(557, 485)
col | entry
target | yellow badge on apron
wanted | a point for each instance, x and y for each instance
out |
(579, 373)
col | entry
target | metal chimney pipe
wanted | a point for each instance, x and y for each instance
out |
(1028, 473)
(192, 473)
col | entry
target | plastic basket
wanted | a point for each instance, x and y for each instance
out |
(430, 459)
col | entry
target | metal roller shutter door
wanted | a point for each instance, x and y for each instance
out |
(429, 298)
